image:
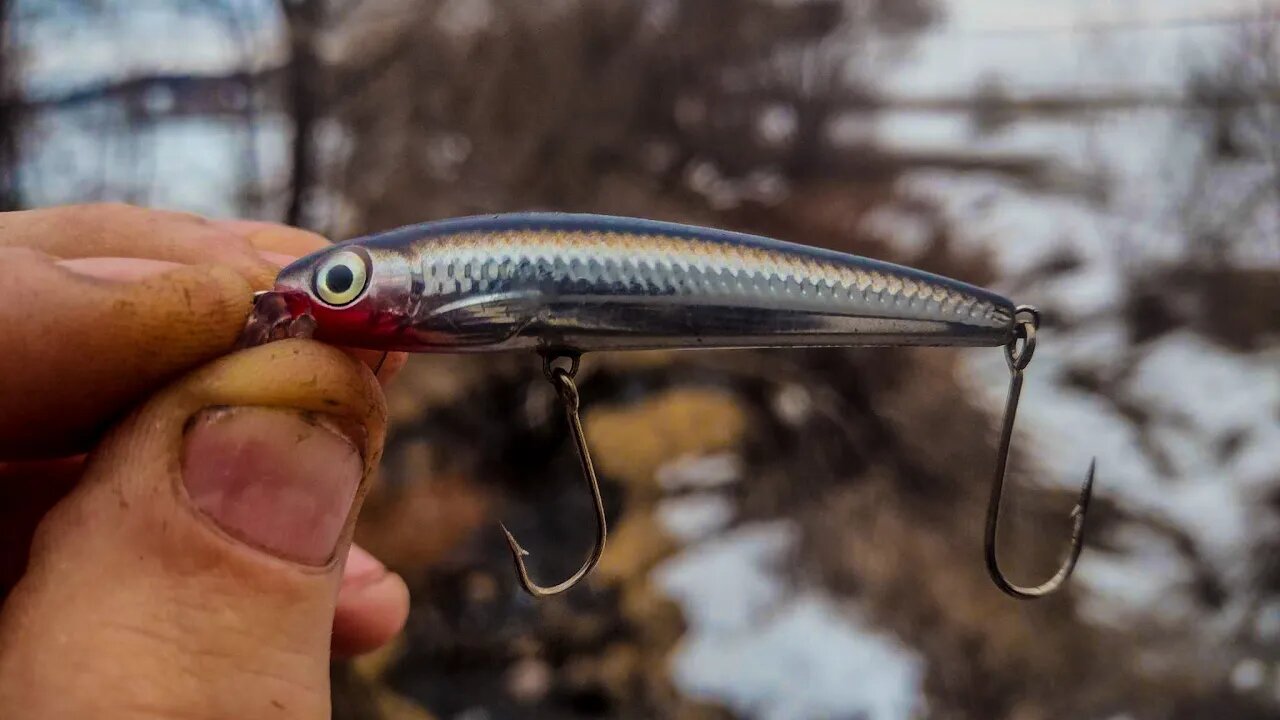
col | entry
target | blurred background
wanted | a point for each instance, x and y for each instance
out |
(795, 534)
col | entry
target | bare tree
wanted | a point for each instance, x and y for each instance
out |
(10, 107)
(1237, 102)
(304, 19)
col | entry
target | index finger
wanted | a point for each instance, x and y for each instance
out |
(80, 350)
(124, 231)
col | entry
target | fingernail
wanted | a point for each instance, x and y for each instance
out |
(361, 568)
(280, 480)
(241, 228)
(274, 237)
(116, 268)
(275, 258)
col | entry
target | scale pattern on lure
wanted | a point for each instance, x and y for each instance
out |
(565, 284)
(589, 282)
(577, 257)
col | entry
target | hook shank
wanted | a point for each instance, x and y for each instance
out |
(1018, 359)
(562, 379)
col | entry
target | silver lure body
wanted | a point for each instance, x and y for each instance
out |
(553, 281)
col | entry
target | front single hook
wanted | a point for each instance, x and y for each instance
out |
(562, 379)
(1018, 353)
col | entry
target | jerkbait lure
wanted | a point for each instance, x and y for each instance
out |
(566, 284)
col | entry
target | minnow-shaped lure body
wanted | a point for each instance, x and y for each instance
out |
(591, 282)
(566, 284)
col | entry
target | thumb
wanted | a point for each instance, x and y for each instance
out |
(193, 573)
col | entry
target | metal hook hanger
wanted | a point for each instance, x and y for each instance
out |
(1018, 359)
(562, 379)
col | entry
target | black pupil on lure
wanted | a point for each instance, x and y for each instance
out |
(339, 279)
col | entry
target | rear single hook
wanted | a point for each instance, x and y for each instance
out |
(562, 379)
(1018, 358)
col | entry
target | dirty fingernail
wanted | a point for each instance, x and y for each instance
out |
(361, 568)
(275, 258)
(117, 268)
(281, 480)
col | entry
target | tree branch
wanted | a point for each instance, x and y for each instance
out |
(10, 160)
(305, 105)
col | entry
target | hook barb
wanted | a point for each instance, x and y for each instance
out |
(1018, 358)
(562, 379)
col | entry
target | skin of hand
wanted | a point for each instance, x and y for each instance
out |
(175, 521)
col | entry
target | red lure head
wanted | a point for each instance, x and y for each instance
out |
(358, 297)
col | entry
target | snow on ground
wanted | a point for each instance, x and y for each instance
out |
(767, 651)
(696, 517)
(755, 642)
(700, 472)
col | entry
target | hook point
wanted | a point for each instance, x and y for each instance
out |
(516, 549)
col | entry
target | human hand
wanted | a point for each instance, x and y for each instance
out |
(192, 565)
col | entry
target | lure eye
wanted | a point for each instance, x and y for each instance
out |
(341, 278)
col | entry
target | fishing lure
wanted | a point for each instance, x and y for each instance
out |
(565, 284)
